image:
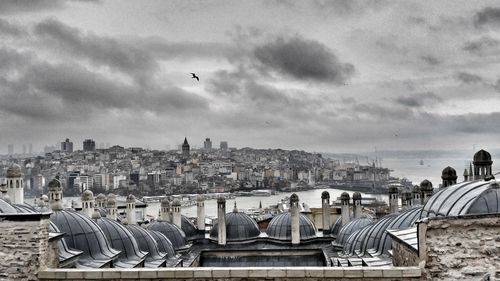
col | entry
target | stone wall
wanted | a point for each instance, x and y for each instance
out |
(23, 246)
(461, 248)
(403, 255)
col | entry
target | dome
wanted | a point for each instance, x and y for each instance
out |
(449, 174)
(66, 254)
(374, 232)
(111, 195)
(221, 200)
(165, 203)
(164, 245)
(172, 231)
(294, 198)
(122, 239)
(239, 226)
(393, 189)
(87, 195)
(426, 185)
(55, 185)
(478, 197)
(336, 226)
(6, 207)
(280, 227)
(415, 189)
(482, 158)
(130, 198)
(351, 227)
(345, 196)
(200, 198)
(82, 233)
(101, 197)
(111, 203)
(176, 203)
(14, 171)
(356, 196)
(147, 243)
(188, 227)
(325, 195)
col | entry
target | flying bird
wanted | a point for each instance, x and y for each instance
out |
(195, 77)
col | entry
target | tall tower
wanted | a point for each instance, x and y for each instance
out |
(200, 209)
(449, 177)
(221, 220)
(207, 145)
(325, 203)
(345, 209)
(15, 184)
(131, 219)
(67, 146)
(393, 199)
(185, 149)
(294, 210)
(88, 203)
(482, 164)
(357, 208)
(176, 213)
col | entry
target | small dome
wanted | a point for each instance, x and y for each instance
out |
(325, 195)
(356, 196)
(482, 158)
(164, 244)
(280, 227)
(449, 174)
(393, 189)
(188, 227)
(147, 243)
(101, 196)
(111, 195)
(350, 228)
(44, 198)
(55, 185)
(200, 198)
(426, 185)
(221, 200)
(336, 226)
(294, 198)
(172, 231)
(130, 198)
(345, 196)
(165, 203)
(176, 203)
(14, 171)
(239, 226)
(415, 189)
(87, 195)
(111, 203)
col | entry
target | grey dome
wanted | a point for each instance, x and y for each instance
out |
(393, 189)
(351, 227)
(294, 198)
(176, 203)
(111, 203)
(84, 234)
(87, 195)
(221, 200)
(188, 227)
(55, 185)
(477, 197)
(147, 243)
(426, 185)
(172, 231)
(165, 203)
(280, 227)
(356, 196)
(6, 207)
(130, 198)
(122, 239)
(111, 195)
(67, 256)
(200, 198)
(449, 174)
(369, 240)
(14, 171)
(416, 189)
(345, 196)
(325, 195)
(482, 158)
(100, 196)
(239, 226)
(336, 226)
(164, 244)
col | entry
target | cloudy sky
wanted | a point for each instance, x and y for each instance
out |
(331, 76)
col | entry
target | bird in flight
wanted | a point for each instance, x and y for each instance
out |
(195, 77)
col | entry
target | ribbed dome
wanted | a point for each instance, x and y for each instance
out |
(336, 226)
(351, 227)
(239, 226)
(172, 231)
(100, 196)
(482, 158)
(426, 185)
(188, 227)
(280, 227)
(122, 239)
(449, 174)
(87, 195)
(6, 207)
(164, 245)
(14, 171)
(147, 243)
(84, 234)
(66, 254)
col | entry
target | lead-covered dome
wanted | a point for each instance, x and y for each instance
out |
(14, 171)
(280, 227)
(426, 185)
(239, 226)
(82, 233)
(449, 173)
(164, 244)
(188, 227)
(350, 228)
(6, 207)
(325, 195)
(356, 196)
(172, 232)
(87, 195)
(482, 158)
(147, 243)
(55, 185)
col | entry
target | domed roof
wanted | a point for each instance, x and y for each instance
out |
(482, 157)
(87, 195)
(14, 171)
(477, 197)
(393, 189)
(6, 207)
(176, 203)
(164, 245)
(294, 198)
(200, 198)
(111, 203)
(165, 203)
(122, 239)
(172, 231)
(148, 244)
(280, 227)
(449, 174)
(188, 227)
(370, 240)
(345, 196)
(130, 198)
(111, 195)
(356, 196)
(351, 227)
(325, 195)
(221, 200)
(336, 226)
(239, 226)
(66, 254)
(426, 185)
(416, 189)
(54, 185)
(100, 196)
(84, 234)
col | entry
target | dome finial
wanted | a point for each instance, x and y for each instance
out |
(235, 210)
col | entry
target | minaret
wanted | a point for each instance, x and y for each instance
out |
(200, 209)
(426, 191)
(345, 209)
(176, 213)
(294, 213)
(449, 177)
(131, 219)
(393, 199)
(357, 208)
(165, 210)
(111, 207)
(325, 203)
(55, 192)
(221, 220)
(15, 184)
(88, 203)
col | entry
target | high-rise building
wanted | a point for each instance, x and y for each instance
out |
(10, 148)
(223, 145)
(88, 145)
(67, 146)
(185, 148)
(207, 145)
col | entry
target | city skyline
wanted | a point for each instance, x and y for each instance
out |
(326, 76)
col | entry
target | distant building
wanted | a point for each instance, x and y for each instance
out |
(88, 145)
(24, 149)
(30, 148)
(10, 148)
(207, 145)
(185, 148)
(67, 146)
(223, 145)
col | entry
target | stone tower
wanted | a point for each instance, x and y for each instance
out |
(426, 190)
(200, 209)
(55, 192)
(15, 184)
(165, 210)
(185, 149)
(393, 199)
(111, 207)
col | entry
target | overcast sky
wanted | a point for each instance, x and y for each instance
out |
(331, 76)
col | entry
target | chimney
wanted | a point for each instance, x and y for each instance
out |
(345, 210)
(176, 213)
(221, 220)
(131, 219)
(88, 203)
(325, 203)
(164, 210)
(111, 207)
(357, 208)
(294, 212)
(200, 209)
(393, 199)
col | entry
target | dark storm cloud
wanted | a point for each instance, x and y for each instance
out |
(489, 16)
(469, 78)
(417, 100)
(303, 59)
(481, 45)
(101, 51)
(9, 29)
(20, 6)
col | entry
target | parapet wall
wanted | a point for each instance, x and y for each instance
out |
(236, 273)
